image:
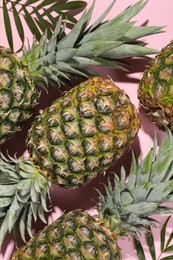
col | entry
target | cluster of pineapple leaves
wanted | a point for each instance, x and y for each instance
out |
(38, 16)
(165, 246)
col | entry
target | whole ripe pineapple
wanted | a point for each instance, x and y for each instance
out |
(83, 132)
(124, 210)
(80, 135)
(155, 91)
(54, 61)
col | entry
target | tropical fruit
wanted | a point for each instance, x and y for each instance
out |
(83, 132)
(79, 136)
(155, 91)
(124, 210)
(63, 56)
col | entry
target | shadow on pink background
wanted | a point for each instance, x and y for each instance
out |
(155, 13)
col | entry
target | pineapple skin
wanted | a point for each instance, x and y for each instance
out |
(83, 132)
(75, 235)
(155, 90)
(18, 95)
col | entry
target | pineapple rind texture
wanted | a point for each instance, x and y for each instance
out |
(75, 235)
(83, 132)
(18, 95)
(155, 91)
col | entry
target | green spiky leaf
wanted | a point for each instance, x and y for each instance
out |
(39, 17)
(139, 250)
(165, 246)
(150, 242)
(21, 197)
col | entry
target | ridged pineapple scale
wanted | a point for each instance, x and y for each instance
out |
(75, 236)
(18, 95)
(83, 132)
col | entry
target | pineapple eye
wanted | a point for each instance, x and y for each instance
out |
(58, 233)
(67, 115)
(104, 105)
(121, 99)
(15, 115)
(122, 120)
(39, 131)
(104, 124)
(88, 128)
(70, 130)
(75, 255)
(70, 225)
(52, 121)
(5, 99)
(85, 232)
(76, 166)
(57, 247)
(53, 137)
(57, 155)
(92, 164)
(105, 252)
(90, 147)
(106, 160)
(86, 109)
(5, 79)
(106, 144)
(74, 147)
(89, 249)
(42, 150)
(120, 141)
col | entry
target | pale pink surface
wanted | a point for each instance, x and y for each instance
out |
(155, 13)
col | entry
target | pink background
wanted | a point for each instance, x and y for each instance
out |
(157, 12)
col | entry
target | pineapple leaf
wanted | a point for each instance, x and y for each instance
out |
(21, 199)
(100, 19)
(133, 172)
(22, 224)
(137, 32)
(129, 50)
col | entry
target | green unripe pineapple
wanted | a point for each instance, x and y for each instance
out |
(79, 136)
(156, 88)
(63, 56)
(125, 209)
(83, 132)
(18, 94)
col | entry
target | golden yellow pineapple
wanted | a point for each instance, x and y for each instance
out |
(83, 132)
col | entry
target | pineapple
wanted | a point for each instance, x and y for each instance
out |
(79, 136)
(83, 132)
(156, 89)
(55, 61)
(124, 210)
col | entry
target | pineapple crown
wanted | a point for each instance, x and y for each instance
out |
(23, 194)
(105, 44)
(127, 206)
